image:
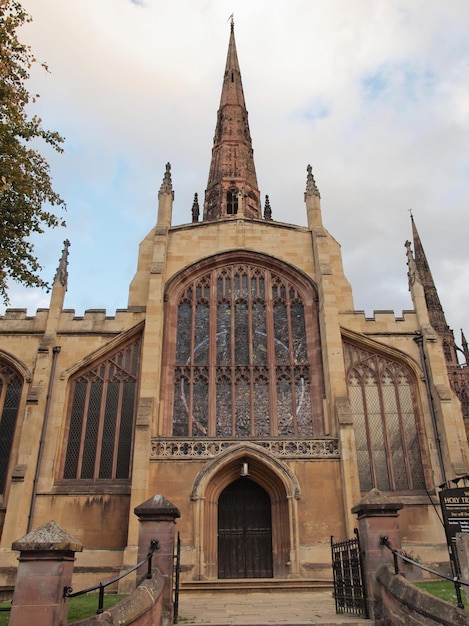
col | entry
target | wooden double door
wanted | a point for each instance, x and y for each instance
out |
(244, 531)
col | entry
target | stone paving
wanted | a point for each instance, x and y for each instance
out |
(262, 608)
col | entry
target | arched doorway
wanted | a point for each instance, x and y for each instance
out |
(244, 531)
(275, 478)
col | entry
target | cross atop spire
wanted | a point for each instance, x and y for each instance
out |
(232, 182)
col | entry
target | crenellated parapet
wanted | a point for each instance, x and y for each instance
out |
(17, 321)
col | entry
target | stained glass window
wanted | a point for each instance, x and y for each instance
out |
(381, 393)
(11, 386)
(101, 422)
(241, 359)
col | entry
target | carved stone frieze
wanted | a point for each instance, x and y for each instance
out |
(210, 448)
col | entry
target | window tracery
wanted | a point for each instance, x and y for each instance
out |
(101, 417)
(11, 386)
(241, 360)
(381, 393)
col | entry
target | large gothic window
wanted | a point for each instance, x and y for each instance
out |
(101, 420)
(10, 393)
(381, 393)
(241, 363)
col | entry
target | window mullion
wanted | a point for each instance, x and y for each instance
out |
(212, 355)
(117, 430)
(233, 352)
(291, 360)
(3, 393)
(387, 447)
(271, 361)
(102, 411)
(251, 366)
(83, 427)
(374, 480)
(192, 360)
(402, 433)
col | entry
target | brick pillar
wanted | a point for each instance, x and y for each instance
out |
(157, 517)
(45, 567)
(377, 517)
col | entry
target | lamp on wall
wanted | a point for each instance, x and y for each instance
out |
(244, 470)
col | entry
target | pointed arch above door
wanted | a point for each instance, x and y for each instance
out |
(275, 478)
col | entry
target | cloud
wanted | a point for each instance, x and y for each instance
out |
(372, 93)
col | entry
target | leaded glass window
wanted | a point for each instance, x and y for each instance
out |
(101, 420)
(11, 386)
(381, 393)
(241, 365)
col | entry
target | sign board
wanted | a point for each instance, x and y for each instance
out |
(455, 509)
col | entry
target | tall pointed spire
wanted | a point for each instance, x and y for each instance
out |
(435, 310)
(465, 347)
(232, 183)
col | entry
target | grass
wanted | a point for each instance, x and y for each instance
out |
(79, 608)
(443, 589)
(4, 615)
(86, 606)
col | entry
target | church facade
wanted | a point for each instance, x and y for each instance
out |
(239, 383)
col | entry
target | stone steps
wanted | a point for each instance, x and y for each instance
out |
(262, 602)
(253, 584)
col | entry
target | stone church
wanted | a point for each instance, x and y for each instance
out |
(239, 383)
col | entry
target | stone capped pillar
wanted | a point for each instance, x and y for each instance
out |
(377, 517)
(45, 568)
(157, 517)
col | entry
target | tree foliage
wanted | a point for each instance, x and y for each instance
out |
(26, 193)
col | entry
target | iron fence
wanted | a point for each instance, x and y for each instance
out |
(454, 579)
(347, 568)
(177, 574)
(69, 593)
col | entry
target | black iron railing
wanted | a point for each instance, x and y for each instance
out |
(399, 555)
(177, 575)
(68, 591)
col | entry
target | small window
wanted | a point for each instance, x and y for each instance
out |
(231, 203)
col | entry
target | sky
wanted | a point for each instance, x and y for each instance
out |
(373, 93)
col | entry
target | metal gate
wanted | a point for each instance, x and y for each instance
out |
(349, 588)
(177, 571)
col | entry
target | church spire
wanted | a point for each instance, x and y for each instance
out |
(435, 310)
(232, 182)
(465, 348)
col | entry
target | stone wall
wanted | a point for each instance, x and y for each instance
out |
(403, 604)
(143, 607)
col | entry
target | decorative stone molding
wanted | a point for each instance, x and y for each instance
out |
(18, 473)
(210, 448)
(34, 394)
(156, 268)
